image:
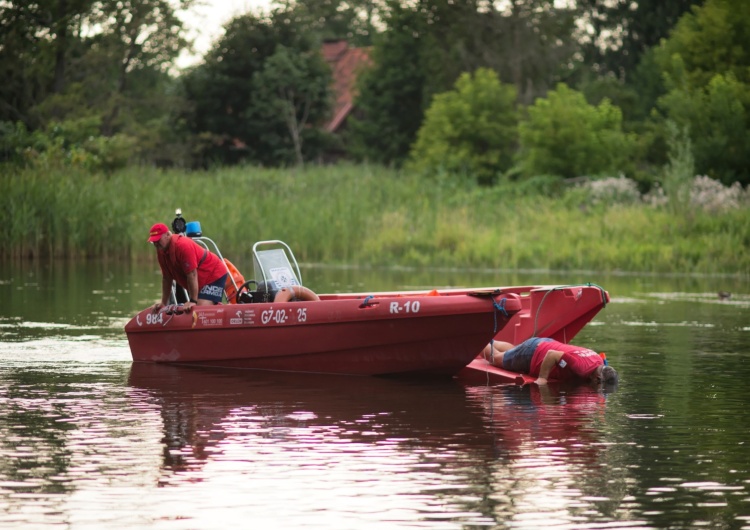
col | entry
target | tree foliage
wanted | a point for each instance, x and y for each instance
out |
(37, 41)
(428, 44)
(294, 87)
(138, 37)
(712, 39)
(95, 61)
(717, 118)
(391, 91)
(564, 135)
(706, 65)
(90, 83)
(530, 43)
(622, 31)
(236, 93)
(470, 130)
(350, 20)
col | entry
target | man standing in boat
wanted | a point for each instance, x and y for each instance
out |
(546, 358)
(200, 272)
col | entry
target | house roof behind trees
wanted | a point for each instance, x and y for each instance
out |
(345, 63)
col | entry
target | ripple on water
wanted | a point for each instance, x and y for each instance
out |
(88, 442)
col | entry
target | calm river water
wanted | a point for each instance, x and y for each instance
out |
(88, 440)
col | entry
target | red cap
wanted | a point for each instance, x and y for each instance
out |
(158, 230)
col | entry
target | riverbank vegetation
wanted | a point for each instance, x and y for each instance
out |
(451, 144)
(370, 215)
(432, 85)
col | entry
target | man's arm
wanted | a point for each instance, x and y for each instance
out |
(166, 291)
(192, 284)
(548, 363)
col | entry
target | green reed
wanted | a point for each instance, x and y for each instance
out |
(360, 215)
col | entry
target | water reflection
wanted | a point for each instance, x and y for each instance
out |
(68, 443)
(203, 410)
(86, 440)
(426, 450)
(553, 465)
(370, 450)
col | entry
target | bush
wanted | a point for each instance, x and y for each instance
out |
(74, 143)
(711, 196)
(679, 172)
(717, 117)
(613, 190)
(471, 130)
(564, 135)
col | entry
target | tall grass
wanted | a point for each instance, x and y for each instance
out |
(679, 172)
(361, 215)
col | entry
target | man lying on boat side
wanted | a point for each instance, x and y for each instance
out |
(545, 359)
(200, 272)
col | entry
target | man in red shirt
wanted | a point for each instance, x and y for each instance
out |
(549, 359)
(202, 273)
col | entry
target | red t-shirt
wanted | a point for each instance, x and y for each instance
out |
(576, 362)
(183, 256)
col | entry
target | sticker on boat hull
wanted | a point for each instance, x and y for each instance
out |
(242, 317)
(410, 306)
(210, 317)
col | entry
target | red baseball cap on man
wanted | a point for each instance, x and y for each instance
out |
(158, 230)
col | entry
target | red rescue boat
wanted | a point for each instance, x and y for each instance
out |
(376, 334)
(278, 324)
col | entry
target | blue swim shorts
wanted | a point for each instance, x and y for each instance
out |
(214, 290)
(518, 359)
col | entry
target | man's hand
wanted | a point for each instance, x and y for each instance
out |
(156, 307)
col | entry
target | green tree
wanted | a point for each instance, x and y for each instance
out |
(93, 61)
(470, 130)
(564, 135)
(530, 43)
(37, 41)
(391, 92)
(295, 87)
(712, 39)
(230, 102)
(350, 20)
(617, 40)
(706, 67)
(137, 36)
(619, 32)
(428, 44)
(717, 117)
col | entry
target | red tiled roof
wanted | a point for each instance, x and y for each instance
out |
(345, 64)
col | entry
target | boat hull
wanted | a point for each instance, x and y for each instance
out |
(555, 311)
(427, 334)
